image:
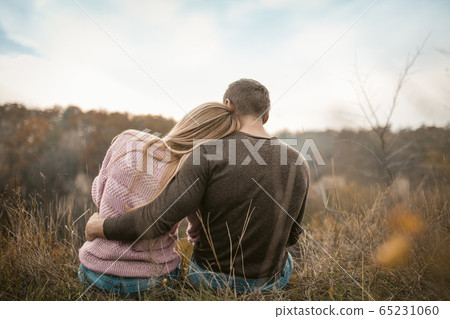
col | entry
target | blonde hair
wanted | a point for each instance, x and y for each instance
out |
(207, 121)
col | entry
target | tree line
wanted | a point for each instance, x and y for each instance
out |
(57, 151)
(43, 151)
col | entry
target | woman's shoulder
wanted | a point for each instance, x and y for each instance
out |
(134, 136)
(134, 144)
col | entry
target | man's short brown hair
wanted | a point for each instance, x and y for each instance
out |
(249, 97)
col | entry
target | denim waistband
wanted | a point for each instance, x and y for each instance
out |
(197, 275)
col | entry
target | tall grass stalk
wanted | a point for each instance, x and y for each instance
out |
(39, 250)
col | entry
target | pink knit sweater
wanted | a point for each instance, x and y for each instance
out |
(111, 193)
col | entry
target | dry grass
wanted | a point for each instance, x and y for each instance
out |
(367, 243)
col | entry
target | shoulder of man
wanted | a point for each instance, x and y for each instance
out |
(293, 154)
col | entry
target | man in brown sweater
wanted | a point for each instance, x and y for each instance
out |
(250, 189)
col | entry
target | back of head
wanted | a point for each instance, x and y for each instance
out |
(249, 97)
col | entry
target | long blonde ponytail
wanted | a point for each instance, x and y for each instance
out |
(208, 121)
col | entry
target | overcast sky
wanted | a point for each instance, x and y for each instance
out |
(177, 54)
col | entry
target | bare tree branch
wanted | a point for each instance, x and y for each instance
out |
(370, 113)
(409, 64)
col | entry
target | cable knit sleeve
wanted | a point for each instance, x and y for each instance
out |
(99, 182)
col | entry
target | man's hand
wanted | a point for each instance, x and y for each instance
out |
(94, 228)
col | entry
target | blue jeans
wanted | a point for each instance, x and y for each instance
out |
(199, 276)
(126, 285)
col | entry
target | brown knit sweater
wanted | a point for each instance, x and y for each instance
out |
(251, 200)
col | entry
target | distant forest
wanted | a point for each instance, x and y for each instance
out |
(57, 152)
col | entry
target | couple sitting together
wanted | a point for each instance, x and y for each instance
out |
(243, 193)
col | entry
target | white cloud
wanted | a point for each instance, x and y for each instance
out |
(194, 54)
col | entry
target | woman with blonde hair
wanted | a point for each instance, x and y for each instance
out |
(136, 168)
